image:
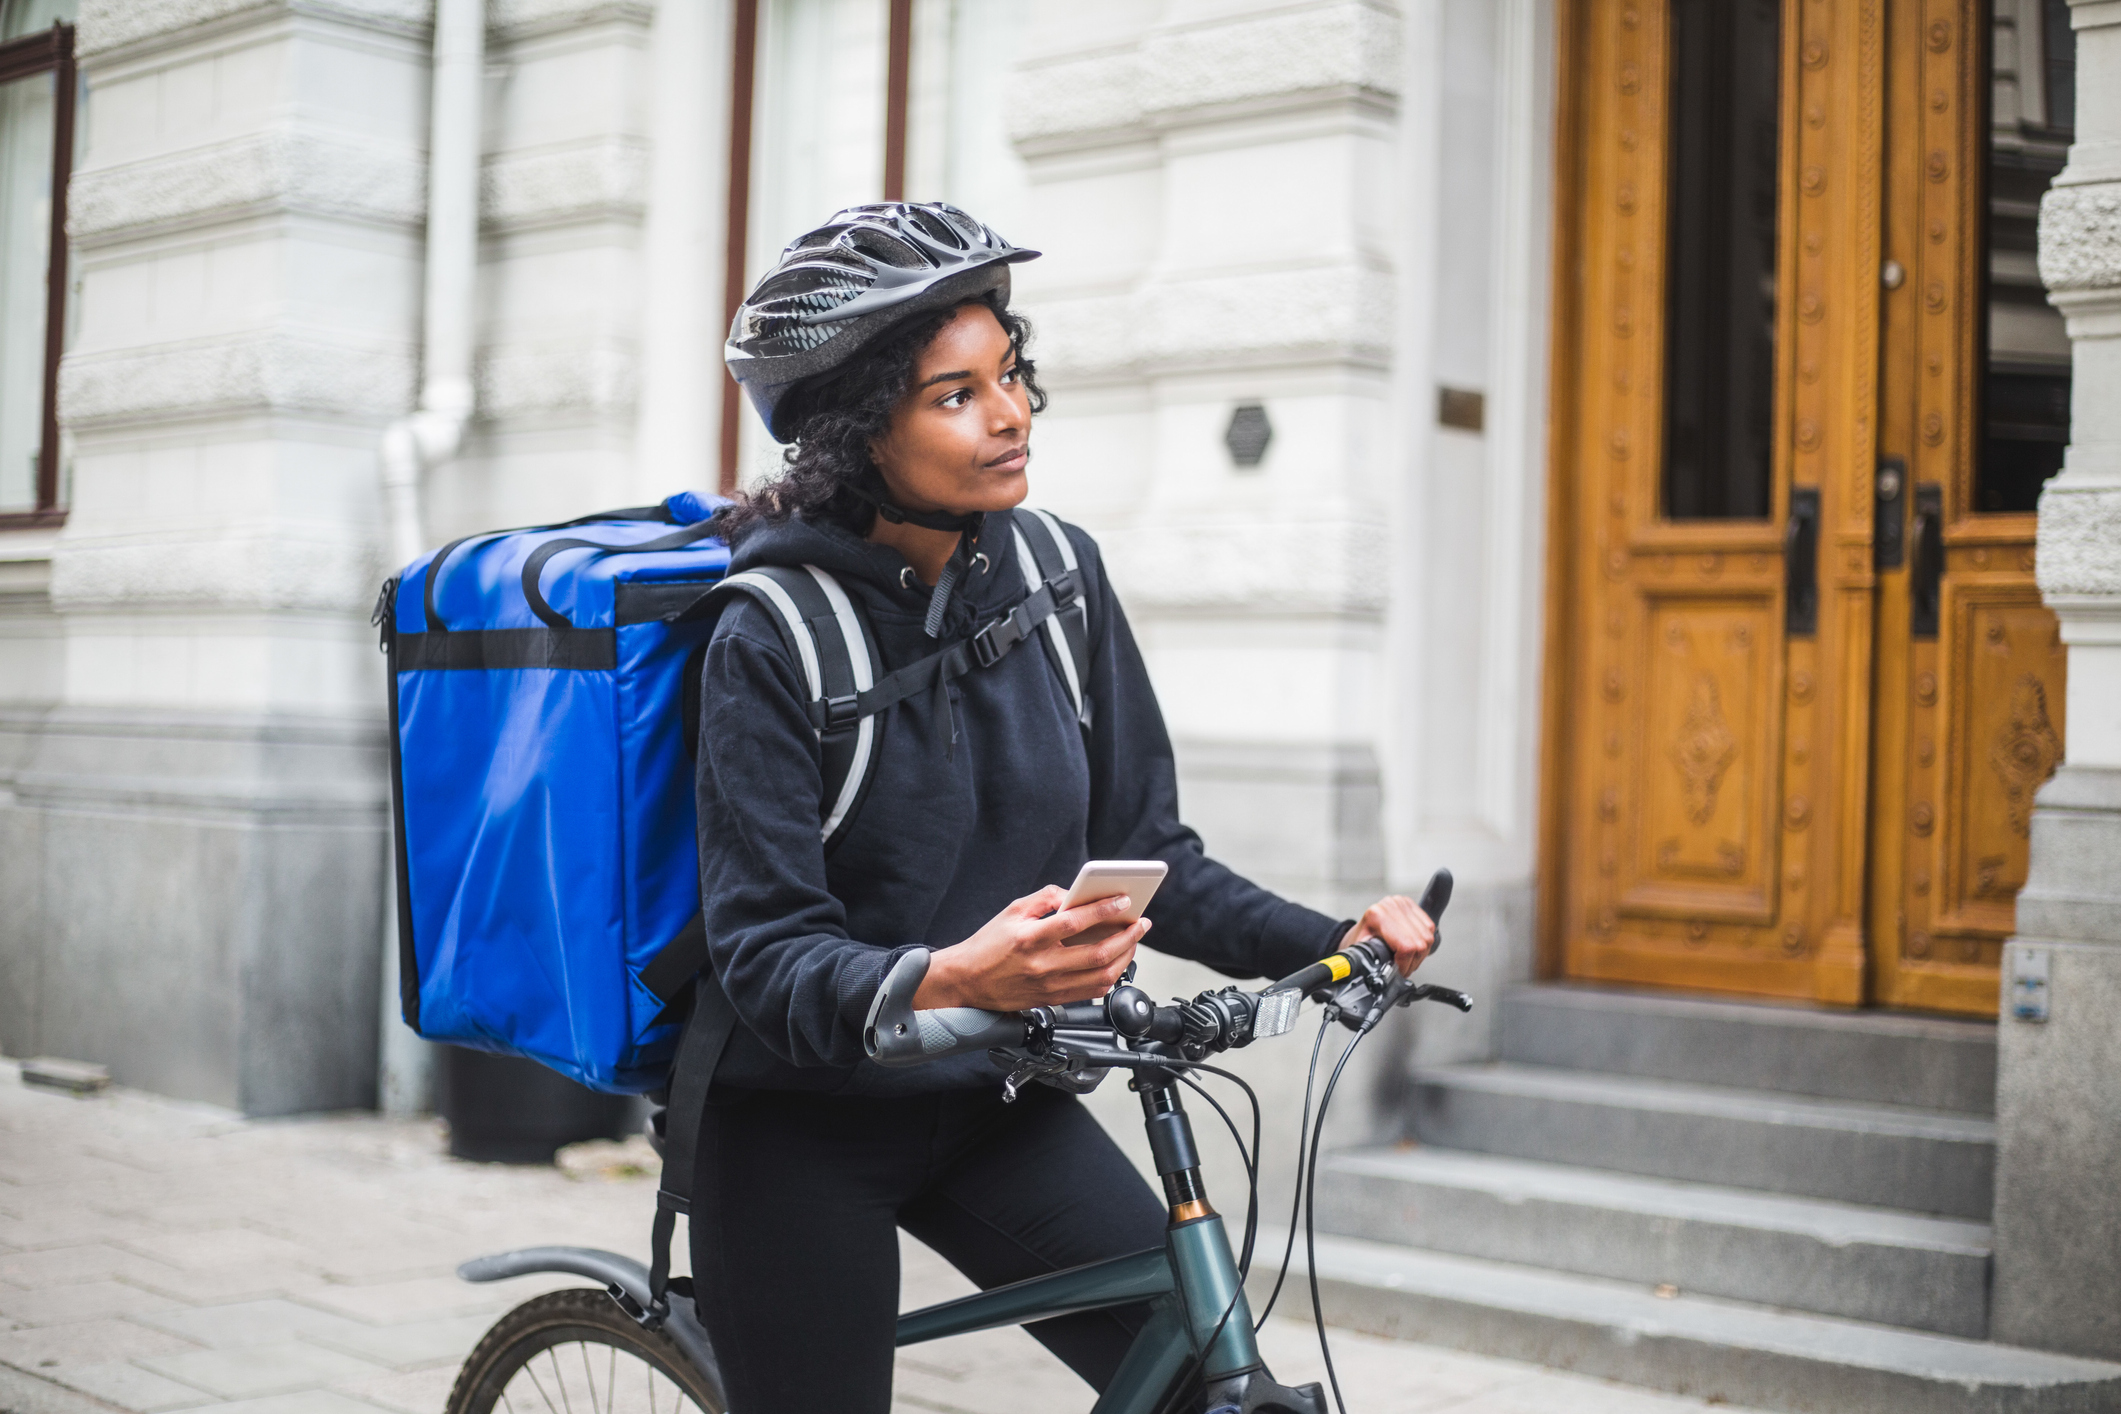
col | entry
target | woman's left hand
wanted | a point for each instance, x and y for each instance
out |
(1410, 933)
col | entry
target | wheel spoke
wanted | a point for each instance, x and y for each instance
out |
(653, 1378)
(539, 1386)
(559, 1379)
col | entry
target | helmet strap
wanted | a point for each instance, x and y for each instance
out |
(926, 520)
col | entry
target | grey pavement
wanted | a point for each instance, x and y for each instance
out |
(159, 1256)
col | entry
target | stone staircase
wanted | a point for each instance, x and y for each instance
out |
(1771, 1206)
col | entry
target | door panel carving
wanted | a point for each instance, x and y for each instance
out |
(2003, 697)
(1705, 775)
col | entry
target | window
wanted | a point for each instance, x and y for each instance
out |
(1719, 379)
(38, 97)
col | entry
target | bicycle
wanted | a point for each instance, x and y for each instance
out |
(1197, 1353)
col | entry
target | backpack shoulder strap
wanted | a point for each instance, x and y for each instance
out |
(837, 653)
(1043, 551)
(707, 1034)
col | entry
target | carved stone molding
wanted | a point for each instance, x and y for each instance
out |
(260, 568)
(597, 374)
(1082, 335)
(1347, 46)
(1305, 567)
(605, 178)
(1339, 48)
(284, 171)
(109, 25)
(509, 20)
(1336, 313)
(1078, 95)
(2080, 237)
(271, 373)
(2080, 528)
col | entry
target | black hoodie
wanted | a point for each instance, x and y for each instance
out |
(961, 817)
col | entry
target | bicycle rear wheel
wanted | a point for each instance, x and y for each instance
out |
(576, 1352)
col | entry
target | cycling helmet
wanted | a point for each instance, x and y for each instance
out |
(836, 288)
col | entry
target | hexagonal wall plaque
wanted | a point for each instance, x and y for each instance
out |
(1248, 434)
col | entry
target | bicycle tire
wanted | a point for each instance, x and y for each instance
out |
(503, 1361)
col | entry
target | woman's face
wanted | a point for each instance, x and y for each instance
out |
(961, 436)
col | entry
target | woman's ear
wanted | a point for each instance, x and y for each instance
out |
(882, 456)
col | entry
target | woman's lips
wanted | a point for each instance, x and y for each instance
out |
(1015, 456)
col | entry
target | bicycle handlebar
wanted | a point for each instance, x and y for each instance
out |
(895, 1034)
(1337, 968)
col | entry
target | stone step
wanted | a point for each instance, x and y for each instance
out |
(1869, 1056)
(1721, 1351)
(1884, 1156)
(1836, 1259)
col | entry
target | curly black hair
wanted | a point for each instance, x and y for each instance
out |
(838, 416)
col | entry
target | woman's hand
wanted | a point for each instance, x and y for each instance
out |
(1023, 957)
(1401, 923)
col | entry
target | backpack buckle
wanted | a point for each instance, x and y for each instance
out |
(993, 642)
(841, 713)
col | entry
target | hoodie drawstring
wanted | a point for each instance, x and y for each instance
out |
(938, 610)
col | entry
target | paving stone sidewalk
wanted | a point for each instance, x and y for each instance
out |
(159, 1256)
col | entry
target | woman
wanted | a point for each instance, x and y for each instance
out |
(882, 347)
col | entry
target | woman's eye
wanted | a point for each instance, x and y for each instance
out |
(1010, 377)
(957, 399)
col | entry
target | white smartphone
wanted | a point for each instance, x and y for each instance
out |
(1103, 878)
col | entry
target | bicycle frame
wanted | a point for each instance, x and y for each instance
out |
(1199, 1326)
(1188, 1282)
(1196, 1301)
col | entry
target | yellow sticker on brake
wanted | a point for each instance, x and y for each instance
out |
(1339, 966)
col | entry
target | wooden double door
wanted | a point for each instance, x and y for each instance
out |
(1801, 686)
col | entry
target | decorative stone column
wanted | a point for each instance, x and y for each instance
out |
(2058, 1224)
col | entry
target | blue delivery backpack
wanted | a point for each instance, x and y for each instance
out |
(543, 701)
(548, 886)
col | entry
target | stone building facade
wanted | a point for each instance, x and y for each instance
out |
(1351, 311)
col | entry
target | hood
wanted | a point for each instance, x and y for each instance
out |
(881, 576)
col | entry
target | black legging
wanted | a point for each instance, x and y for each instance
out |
(797, 1197)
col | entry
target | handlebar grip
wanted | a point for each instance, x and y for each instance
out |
(1434, 900)
(897, 1035)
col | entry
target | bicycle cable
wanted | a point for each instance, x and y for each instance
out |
(1308, 1187)
(1251, 1162)
(1303, 1126)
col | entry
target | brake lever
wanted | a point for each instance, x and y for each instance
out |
(1399, 992)
(1030, 1068)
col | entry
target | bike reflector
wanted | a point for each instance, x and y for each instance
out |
(1277, 1013)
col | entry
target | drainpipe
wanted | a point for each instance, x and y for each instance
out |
(433, 433)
